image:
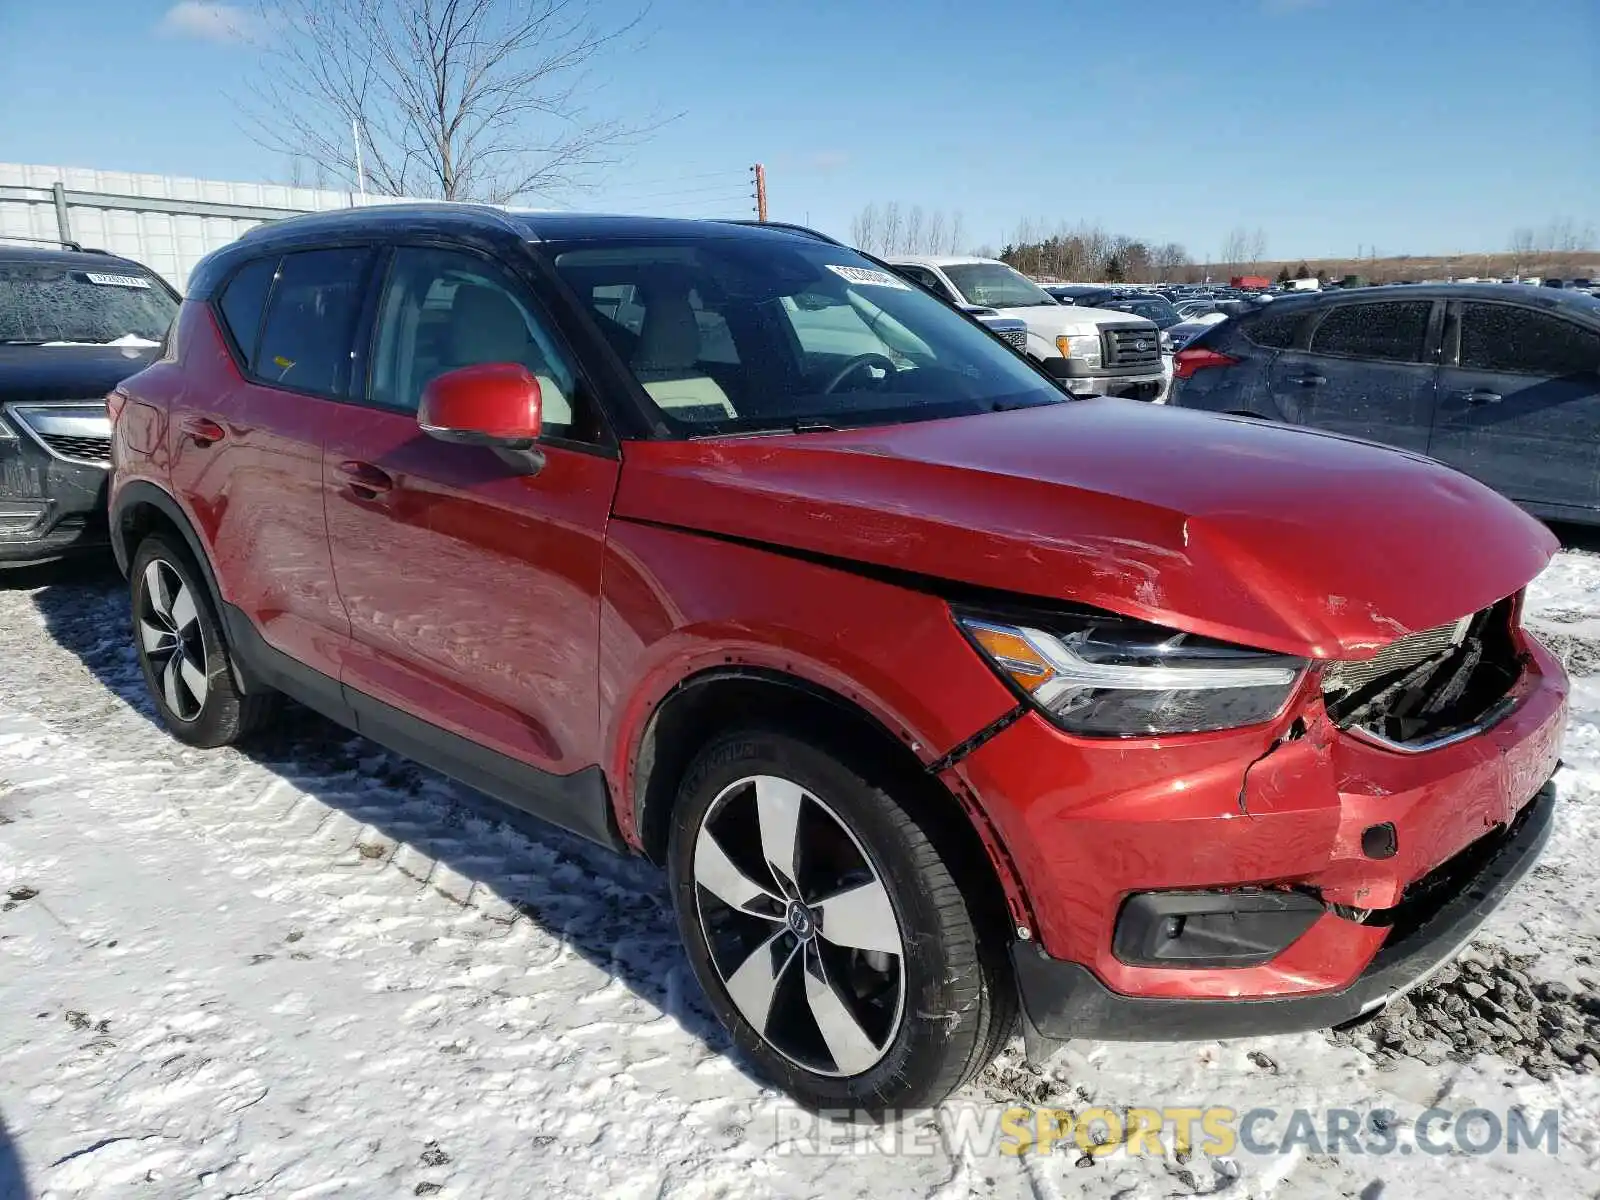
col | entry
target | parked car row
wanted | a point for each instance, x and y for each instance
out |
(937, 692)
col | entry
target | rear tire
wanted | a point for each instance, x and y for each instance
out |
(186, 661)
(853, 973)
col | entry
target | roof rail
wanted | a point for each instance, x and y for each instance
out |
(6, 237)
(786, 226)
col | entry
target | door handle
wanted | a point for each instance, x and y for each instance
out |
(1309, 380)
(1479, 396)
(202, 431)
(365, 480)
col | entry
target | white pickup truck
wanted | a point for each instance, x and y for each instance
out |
(1091, 351)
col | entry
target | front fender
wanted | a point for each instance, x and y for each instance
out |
(676, 604)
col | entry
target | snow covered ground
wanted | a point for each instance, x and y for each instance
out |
(313, 968)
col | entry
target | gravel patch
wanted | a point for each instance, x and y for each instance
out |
(1486, 1003)
(1580, 655)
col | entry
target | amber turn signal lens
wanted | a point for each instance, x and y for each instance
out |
(1013, 655)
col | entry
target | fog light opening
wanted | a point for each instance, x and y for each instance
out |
(1380, 841)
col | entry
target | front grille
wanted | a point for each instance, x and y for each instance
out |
(1131, 346)
(1396, 656)
(95, 450)
(1430, 684)
(1017, 338)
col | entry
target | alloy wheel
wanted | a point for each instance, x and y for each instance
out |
(800, 927)
(170, 638)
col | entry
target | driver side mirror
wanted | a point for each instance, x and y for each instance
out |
(498, 405)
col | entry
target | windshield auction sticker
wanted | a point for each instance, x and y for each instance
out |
(127, 281)
(869, 277)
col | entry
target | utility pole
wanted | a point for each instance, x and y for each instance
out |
(760, 173)
(361, 176)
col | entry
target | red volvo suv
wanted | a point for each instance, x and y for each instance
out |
(941, 696)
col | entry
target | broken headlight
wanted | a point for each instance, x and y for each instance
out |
(1112, 677)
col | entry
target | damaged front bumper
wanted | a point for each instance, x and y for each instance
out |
(1270, 876)
(1062, 1000)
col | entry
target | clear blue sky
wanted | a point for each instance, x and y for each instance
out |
(1331, 124)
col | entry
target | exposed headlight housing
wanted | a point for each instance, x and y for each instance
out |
(1108, 676)
(1083, 346)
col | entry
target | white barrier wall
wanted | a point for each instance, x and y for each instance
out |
(167, 222)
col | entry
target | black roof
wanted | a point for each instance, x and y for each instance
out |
(533, 225)
(77, 260)
(1522, 293)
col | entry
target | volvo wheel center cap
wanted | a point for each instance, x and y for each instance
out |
(800, 921)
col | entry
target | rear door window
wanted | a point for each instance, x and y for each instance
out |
(1501, 337)
(306, 341)
(1394, 331)
(243, 301)
(1275, 330)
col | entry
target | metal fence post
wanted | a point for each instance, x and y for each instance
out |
(63, 219)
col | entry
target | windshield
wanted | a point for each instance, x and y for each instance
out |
(1158, 310)
(43, 304)
(729, 335)
(996, 285)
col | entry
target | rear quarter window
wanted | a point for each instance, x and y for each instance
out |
(1274, 330)
(243, 301)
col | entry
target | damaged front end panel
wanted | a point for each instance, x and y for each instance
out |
(1432, 687)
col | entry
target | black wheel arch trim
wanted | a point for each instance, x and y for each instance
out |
(985, 865)
(141, 492)
(644, 754)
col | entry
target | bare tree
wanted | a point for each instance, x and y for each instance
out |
(958, 234)
(1523, 244)
(913, 240)
(935, 233)
(891, 227)
(864, 229)
(455, 99)
(1235, 247)
(1258, 246)
(1168, 259)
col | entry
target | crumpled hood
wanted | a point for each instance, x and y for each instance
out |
(1271, 536)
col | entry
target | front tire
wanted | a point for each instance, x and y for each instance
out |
(827, 931)
(183, 654)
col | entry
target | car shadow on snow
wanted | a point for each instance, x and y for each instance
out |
(615, 912)
(13, 1184)
(1582, 538)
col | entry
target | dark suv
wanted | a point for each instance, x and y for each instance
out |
(936, 691)
(73, 324)
(1500, 381)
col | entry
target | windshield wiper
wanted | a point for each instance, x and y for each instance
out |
(1014, 405)
(801, 425)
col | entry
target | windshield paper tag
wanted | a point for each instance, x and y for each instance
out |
(127, 281)
(865, 275)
